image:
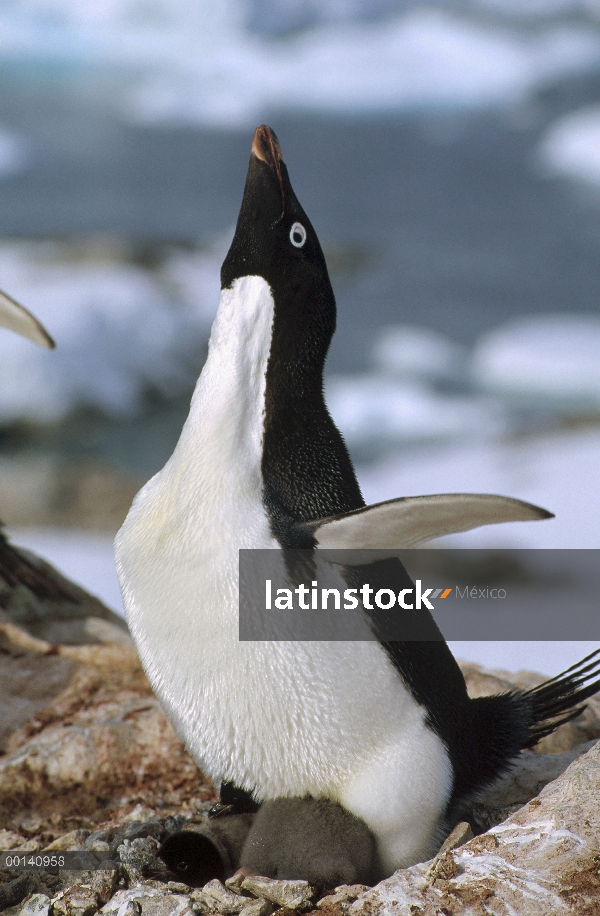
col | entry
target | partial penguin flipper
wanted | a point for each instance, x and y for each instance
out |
(18, 319)
(413, 520)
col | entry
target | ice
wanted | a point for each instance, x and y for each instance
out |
(406, 350)
(558, 471)
(196, 60)
(373, 409)
(571, 146)
(422, 59)
(119, 329)
(553, 359)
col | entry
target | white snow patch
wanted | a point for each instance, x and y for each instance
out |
(407, 350)
(194, 60)
(375, 409)
(571, 146)
(118, 329)
(551, 358)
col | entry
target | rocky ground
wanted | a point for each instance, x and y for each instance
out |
(89, 761)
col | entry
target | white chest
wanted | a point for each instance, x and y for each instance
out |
(276, 718)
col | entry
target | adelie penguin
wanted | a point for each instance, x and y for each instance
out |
(385, 729)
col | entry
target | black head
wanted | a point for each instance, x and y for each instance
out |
(274, 239)
(306, 469)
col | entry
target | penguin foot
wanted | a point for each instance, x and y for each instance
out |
(233, 801)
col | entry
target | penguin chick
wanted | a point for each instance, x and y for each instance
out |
(310, 839)
(18, 319)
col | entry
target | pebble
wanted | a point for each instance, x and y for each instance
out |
(73, 840)
(17, 889)
(76, 901)
(462, 833)
(10, 840)
(177, 887)
(235, 882)
(258, 908)
(147, 900)
(100, 846)
(345, 893)
(139, 852)
(37, 905)
(293, 894)
(222, 899)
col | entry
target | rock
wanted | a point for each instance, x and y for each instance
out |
(104, 883)
(29, 680)
(10, 840)
(258, 908)
(137, 856)
(75, 839)
(104, 736)
(218, 897)
(36, 905)
(461, 834)
(76, 901)
(544, 859)
(138, 853)
(530, 773)
(100, 846)
(235, 882)
(177, 887)
(292, 894)
(147, 901)
(344, 895)
(17, 889)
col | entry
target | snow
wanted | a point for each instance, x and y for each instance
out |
(118, 329)
(197, 61)
(375, 410)
(545, 358)
(570, 147)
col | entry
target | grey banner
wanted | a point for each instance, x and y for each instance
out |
(419, 594)
(53, 860)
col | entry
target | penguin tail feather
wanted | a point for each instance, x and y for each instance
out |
(561, 694)
(504, 725)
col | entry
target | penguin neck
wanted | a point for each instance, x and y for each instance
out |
(306, 470)
(227, 409)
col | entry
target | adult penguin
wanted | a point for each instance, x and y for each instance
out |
(385, 728)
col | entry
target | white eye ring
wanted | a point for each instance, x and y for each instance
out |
(297, 235)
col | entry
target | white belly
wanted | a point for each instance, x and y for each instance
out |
(277, 718)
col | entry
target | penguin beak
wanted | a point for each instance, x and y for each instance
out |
(265, 146)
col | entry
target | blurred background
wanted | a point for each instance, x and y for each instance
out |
(448, 155)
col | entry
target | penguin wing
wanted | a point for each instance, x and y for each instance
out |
(16, 318)
(413, 520)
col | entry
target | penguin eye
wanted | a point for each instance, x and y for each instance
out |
(297, 235)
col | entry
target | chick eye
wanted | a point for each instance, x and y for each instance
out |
(297, 235)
